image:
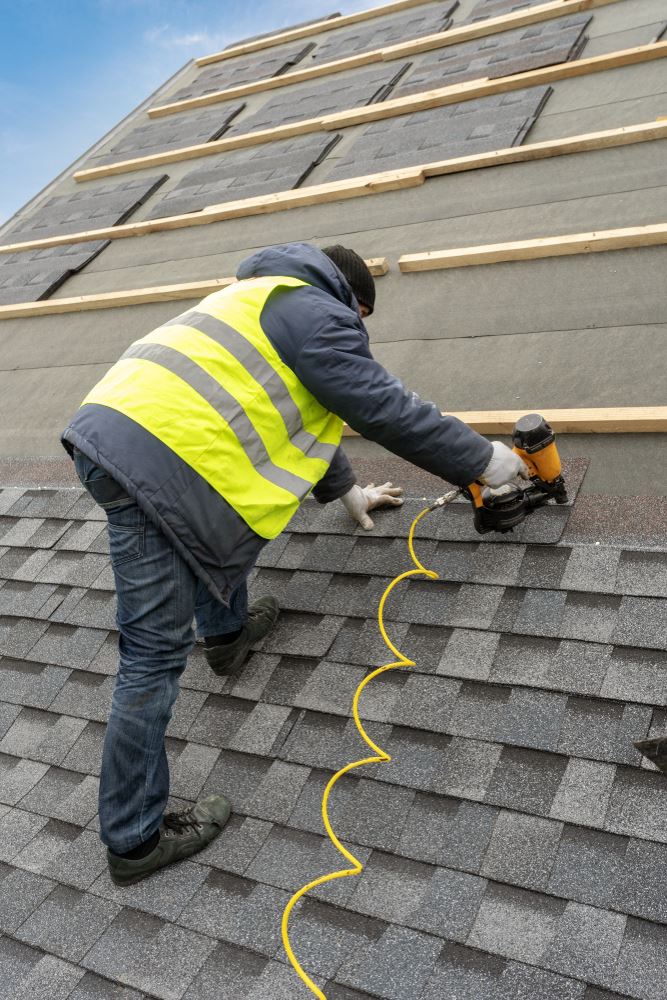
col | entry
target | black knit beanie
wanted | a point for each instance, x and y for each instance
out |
(355, 270)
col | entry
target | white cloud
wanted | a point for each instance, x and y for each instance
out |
(166, 37)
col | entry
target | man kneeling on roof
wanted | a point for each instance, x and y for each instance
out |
(200, 443)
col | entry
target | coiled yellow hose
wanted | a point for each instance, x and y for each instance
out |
(381, 755)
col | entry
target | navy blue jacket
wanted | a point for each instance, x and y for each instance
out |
(317, 331)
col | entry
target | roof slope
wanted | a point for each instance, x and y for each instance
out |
(516, 845)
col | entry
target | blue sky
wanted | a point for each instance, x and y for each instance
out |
(71, 69)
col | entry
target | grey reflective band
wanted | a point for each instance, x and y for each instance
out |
(252, 360)
(229, 409)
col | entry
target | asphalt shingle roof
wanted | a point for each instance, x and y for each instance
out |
(516, 842)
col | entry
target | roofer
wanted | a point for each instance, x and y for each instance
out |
(200, 443)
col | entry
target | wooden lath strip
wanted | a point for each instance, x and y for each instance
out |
(463, 33)
(593, 420)
(291, 34)
(138, 296)
(551, 246)
(359, 187)
(424, 101)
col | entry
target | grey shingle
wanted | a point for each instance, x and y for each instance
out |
(426, 702)
(398, 965)
(583, 795)
(105, 660)
(20, 893)
(265, 729)
(467, 768)
(357, 595)
(307, 813)
(522, 850)
(418, 758)
(31, 684)
(426, 602)
(186, 709)
(46, 846)
(526, 780)
(164, 894)
(17, 828)
(19, 635)
(636, 675)
(642, 965)
(532, 718)
(382, 556)
(639, 889)
(467, 975)
(329, 687)
(450, 904)
(591, 617)
(290, 858)
(83, 536)
(8, 715)
(642, 621)
(587, 944)
(64, 795)
(319, 740)
(85, 695)
(287, 678)
(229, 971)
(189, 766)
(543, 566)
(638, 804)
(86, 754)
(447, 832)
(541, 612)
(278, 791)
(72, 568)
(25, 599)
(237, 846)
(603, 730)
(142, 951)
(93, 987)
(68, 923)
(324, 936)
(238, 774)
(17, 777)
(68, 646)
(589, 866)
(28, 974)
(591, 567)
(479, 711)
(92, 608)
(238, 911)
(642, 573)
(302, 635)
(251, 682)
(469, 654)
(219, 720)
(523, 982)
(375, 814)
(391, 888)
(43, 736)
(82, 861)
(516, 923)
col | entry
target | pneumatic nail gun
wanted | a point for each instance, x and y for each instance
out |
(502, 510)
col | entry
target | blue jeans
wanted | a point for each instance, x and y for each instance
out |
(158, 595)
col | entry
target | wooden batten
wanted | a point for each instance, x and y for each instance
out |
(138, 296)
(595, 420)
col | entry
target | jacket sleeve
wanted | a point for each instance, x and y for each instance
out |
(338, 479)
(336, 365)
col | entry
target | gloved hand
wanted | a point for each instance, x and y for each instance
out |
(358, 501)
(505, 467)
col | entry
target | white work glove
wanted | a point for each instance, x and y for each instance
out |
(358, 501)
(505, 467)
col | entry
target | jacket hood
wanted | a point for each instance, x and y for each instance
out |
(299, 260)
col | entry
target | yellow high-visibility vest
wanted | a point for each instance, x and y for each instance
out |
(211, 387)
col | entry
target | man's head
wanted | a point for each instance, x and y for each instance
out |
(353, 267)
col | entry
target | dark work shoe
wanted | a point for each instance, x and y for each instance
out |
(181, 835)
(262, 617)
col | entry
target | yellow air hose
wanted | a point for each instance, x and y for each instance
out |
(381, 755)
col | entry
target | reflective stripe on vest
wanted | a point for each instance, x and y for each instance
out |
(210, 385)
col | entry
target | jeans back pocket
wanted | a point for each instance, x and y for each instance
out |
(126, 523)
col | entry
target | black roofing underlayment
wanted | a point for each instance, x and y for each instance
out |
(515, 847)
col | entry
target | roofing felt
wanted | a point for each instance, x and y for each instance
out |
(515, 845)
